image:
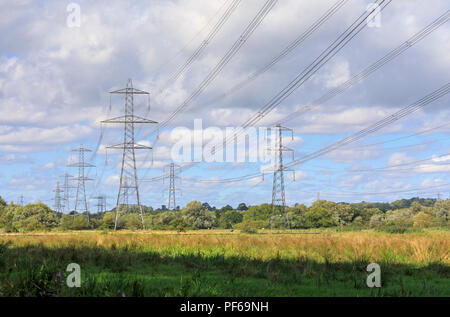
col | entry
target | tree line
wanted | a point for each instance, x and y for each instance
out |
(397, 216)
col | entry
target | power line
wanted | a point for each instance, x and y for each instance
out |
(192, 39)
(232, 6)
(256, 21)
(341, 41)
(293, 45)
(372, 68)
(421, 103)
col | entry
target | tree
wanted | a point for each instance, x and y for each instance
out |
(415, 207)
(222, 210)
(376, 220)
(133, 222)
(259, 212)
(400, 217)
(242, 207)
(207, 206)
(108, 221)
(2, 202)
(422, 220)
(441, 210)
(6, 216)
(229, 218)
(34, 216)
(196, 216)
(343, 214)
(318, 216)
(367, 213)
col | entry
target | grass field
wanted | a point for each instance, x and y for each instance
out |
(220, 263)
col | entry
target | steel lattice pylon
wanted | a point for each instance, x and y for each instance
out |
(66, 192)
(80, 197)
(128, 174)
(278, 192)
(172, 203)
(101, 203)
(58, 205)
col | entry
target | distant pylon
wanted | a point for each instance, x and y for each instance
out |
(21, 200)
(128, 174)
(58, 205)
(66, 192)
(101, 203)
(278, 193)
(80, 198)
(172, 202)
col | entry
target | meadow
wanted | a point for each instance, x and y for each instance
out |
(224, 263)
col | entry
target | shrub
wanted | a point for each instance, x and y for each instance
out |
(249, 227)
(422, 220)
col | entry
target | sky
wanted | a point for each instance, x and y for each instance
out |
(55, 79)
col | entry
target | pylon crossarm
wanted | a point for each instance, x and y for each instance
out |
(128, 119)
(135, 146)
(129, 91)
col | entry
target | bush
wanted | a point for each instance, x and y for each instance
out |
(248, 227)
(422, 220)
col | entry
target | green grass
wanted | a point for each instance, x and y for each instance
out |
(145, 264)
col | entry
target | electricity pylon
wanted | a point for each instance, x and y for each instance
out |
(128, 174)
(278, 193)
(172, 203)
(80, 198)
(66, 192)
(58, 206)
(21, 200)
(101, 203)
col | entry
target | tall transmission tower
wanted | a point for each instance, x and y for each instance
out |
(58, 204)
(128, 174)
(80, 198)
(101, 203)
(172, 203)
(21, 203)
(278, 193)
(66, 192)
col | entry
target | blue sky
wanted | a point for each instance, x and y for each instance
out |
(54, 83)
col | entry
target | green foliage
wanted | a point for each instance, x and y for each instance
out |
(318, 216)
(249, 227)
(242, 207)
(260, 212)
(197, 217)
(32, 217)
(441, 210)
(2, 202)
(79, 222)
(422, 220)
(230, 218)
(133, 222)
(108, 220)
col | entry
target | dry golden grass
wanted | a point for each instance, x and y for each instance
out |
(413, 248)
